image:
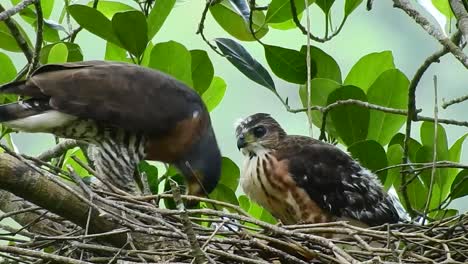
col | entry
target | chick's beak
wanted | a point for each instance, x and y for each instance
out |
(241, 143)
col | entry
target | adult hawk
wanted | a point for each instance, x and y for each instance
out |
(302, 180)
(127, 113)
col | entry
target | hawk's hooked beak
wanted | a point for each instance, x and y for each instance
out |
(241, 143)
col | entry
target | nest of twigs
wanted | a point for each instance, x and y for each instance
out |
(139, 231)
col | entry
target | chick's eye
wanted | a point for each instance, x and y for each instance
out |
(259, 131)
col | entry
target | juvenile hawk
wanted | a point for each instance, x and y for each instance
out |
(302, 180)
(126, 112)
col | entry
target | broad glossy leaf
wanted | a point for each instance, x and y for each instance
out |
(151, 173)
(459, 186)
(320, 90)
(242, 7)
(427, 139)
(50, 34)
(417, 194)
(202, 70)
(110, 8)
(286, 25)
(371, 155)
(368, 68)
(74, 52)
(454, 155)
(93, 21)
(350, 6)
(444, 7)
(244, 202)
(351, 121)
(131, 30)
(147, 54)
(234, 24)
(394, 157)
(325, 5)
(157, 16)
(224, 194)
(325, 64)
(425, 155)
(116, 53)
(260, 213)
(414, 145)
(442, 214)
(7, 69)
(214, 94)
(58, 53)
(7, 42)
(78, 153)
(288, 64)
(389, 90)
(243, 61)
(47, 7)
(230, 174)
(174, 59)
(280, 10)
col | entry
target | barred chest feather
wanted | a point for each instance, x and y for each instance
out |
(267, 182)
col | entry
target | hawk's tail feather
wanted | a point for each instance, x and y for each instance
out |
(22, 109)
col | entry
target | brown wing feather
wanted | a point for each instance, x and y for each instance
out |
(123, 95)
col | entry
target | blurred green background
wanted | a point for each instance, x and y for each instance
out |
(383, 28)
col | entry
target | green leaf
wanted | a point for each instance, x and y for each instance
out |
(442, 214)
(147, 54)
(280, 10)
(454, 155)
(58, 53)
(368, 68)
(242, 8)
(202, 70)
(288, 64)
(230, 174)
(7, 42)
(244, 202)
(351, 121)
(7, 69)
(258, 212)
(110, 8)
(325, 5)
(116, 53)
(417, 194)
(350, 6)
(243, 61)
(233, 23)
(93, 21)
(157, 16)
(131, 30)
(427, 139)
(444, 7)
(215, 93)
(413, 148)
(425, 155)
(174, 59)
(394, 157)
(325, 64)
(224, 194)
(78, 153)
(459, 186)
(286, 25)
(389, 90)
(320, 90)
(47, 7)
(151, 173)
(371, 155)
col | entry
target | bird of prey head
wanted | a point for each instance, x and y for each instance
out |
(302, 180)
(126, 112)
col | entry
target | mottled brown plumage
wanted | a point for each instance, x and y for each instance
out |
(128, 112)
(303, 180)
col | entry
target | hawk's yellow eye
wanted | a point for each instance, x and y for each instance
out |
(259, 131)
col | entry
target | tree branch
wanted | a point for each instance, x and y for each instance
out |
(58, 150)
(406, 6)
(39, 37)
(454, 101)
(25, 182)
(462, 16)
(5, 14)
(17, 35)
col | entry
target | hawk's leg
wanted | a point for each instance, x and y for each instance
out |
(116, 159)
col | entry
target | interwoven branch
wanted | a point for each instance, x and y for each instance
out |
(226, 237)
(15, 10)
